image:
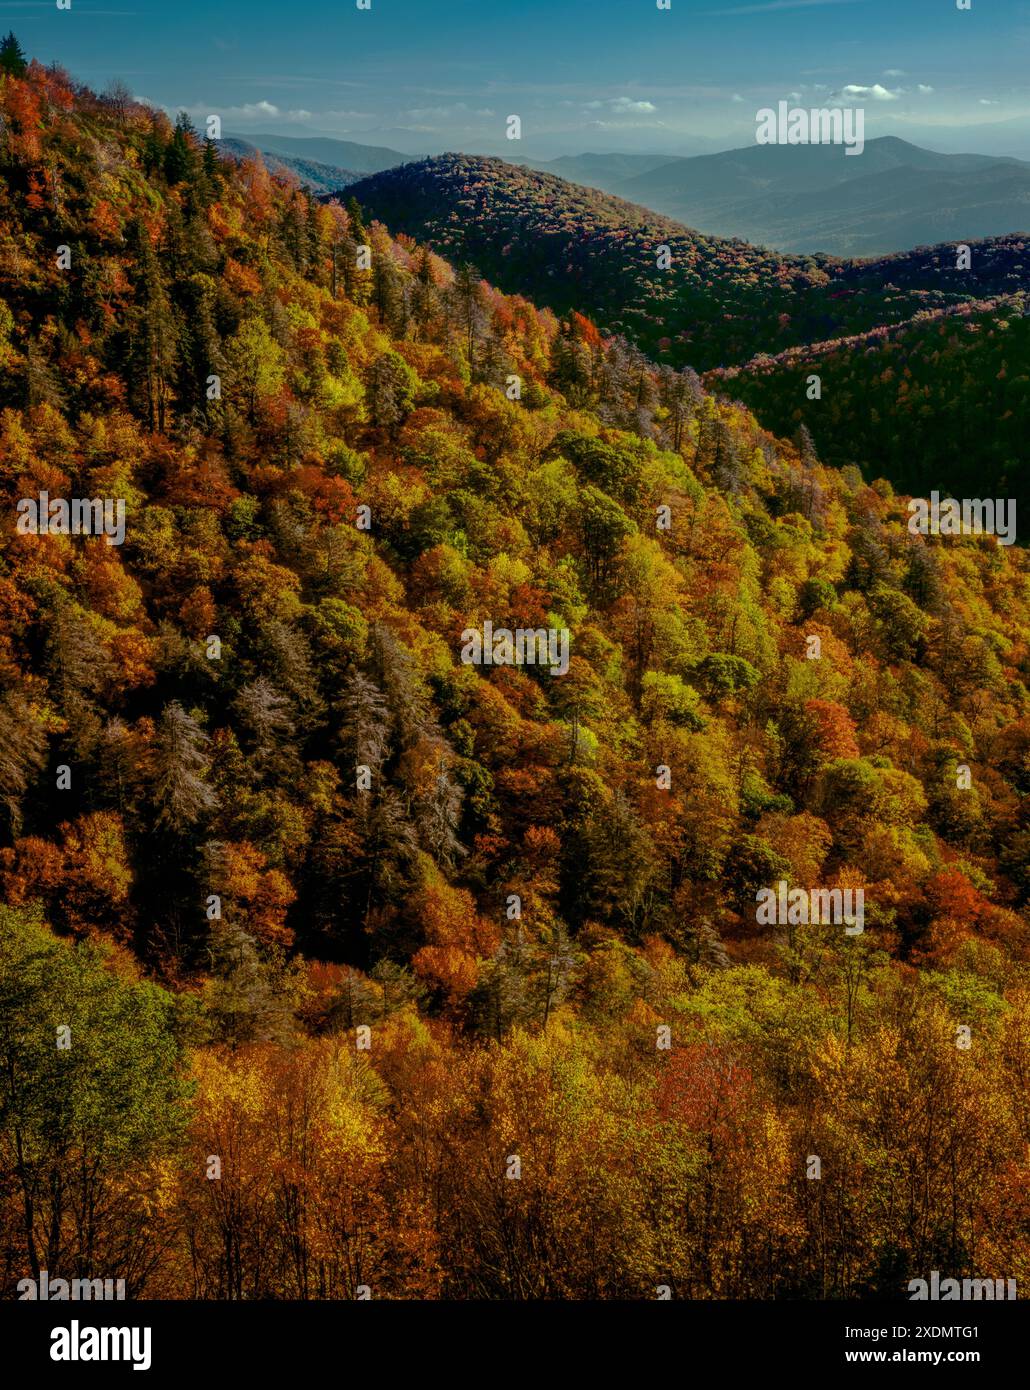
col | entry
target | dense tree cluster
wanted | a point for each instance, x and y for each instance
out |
(253, 804)
(942, 401)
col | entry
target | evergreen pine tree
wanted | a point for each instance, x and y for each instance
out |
(180, 157)
(425, 301)
(12, 58)
(151, 331)
(211, 171)
(357, 225)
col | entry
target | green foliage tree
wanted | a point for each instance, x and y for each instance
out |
(92, 1087)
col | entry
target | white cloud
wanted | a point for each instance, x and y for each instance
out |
(985, 102)
(256, 110)
(894, 72)
(736, 97)
(251, 111)
(874, 93)
(924, 89)
(621, 105)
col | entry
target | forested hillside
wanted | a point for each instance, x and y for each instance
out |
(943, 400)
(383, 971)
(715, 304)
(943, 407)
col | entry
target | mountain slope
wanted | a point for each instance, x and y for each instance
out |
(320, 178)
(722, 303)
(942, 401)
(342, 154)
(394, 389)
(260, 805)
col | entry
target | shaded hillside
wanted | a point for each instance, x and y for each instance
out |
(914, 402)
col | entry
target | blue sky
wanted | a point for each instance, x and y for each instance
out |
(427, 75)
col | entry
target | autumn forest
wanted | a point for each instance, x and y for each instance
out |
(335, 964)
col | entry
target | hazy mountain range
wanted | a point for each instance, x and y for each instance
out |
(805, 198)
(321, 163)
(809, 198)
(320, 178)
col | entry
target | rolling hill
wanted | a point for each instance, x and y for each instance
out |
(719, 301)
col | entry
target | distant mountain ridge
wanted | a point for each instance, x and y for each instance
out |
(609, 168)
(804, 199)
(811, 198)
(343, 154)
